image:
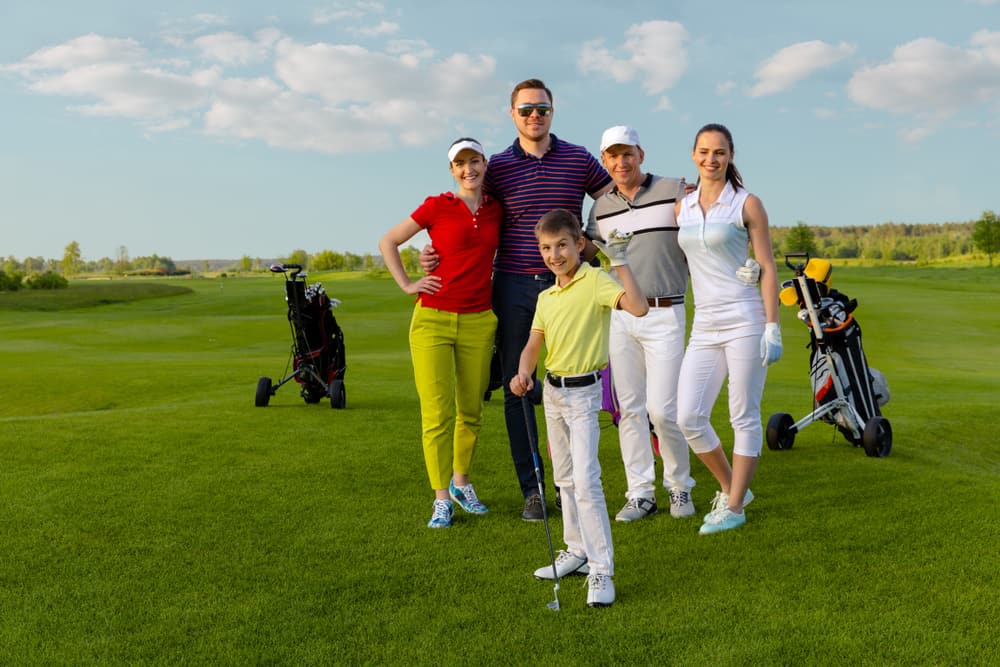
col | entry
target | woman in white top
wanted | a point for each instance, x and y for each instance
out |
(735, 329)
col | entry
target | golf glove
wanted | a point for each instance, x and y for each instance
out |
(749, 273)
(770, 344)
(615, 247)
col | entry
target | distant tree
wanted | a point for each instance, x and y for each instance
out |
(10, 282)
(299, 256)
(986, 234)
(800, 238)
(10, 265)
(121, 261)
(34, 264)
(411, 259)
(71, 259)
(369, 261)
(47, 280)
(327, 260)
(246, 264)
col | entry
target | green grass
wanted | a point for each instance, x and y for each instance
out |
(149, 514)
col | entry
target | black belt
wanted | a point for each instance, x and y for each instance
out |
(664, 301)
(574, 380)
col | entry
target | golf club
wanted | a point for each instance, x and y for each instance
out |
(533, 442)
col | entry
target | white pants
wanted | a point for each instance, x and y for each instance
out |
(646, 354)
(574, 433)
(709, 357)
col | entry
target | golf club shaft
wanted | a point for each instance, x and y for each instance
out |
(533, 443)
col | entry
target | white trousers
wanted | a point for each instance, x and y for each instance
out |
(710, 356)
(646, 355)
(574, 433)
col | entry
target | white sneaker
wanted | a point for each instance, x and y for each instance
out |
(636, 508)
(600, 590)
(680, 502)
(566, 564)
(721, 501)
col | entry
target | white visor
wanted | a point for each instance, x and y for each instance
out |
(462, 145)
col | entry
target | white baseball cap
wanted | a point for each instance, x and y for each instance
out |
(619, 134)
(463, 144)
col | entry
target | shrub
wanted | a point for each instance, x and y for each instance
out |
(10, 282)
(47, 280)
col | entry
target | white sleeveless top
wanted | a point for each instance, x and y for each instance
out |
(716, 245)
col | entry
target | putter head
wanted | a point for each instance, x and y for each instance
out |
(554, 605)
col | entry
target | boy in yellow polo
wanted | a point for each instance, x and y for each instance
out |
(573, 318)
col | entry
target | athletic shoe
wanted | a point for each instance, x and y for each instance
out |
(722, 520)
(466, 498)
(721, 501)
(636, 508)
(680, 502)
(566, 564)
(443, 511)
(532, 508)
(600, 590)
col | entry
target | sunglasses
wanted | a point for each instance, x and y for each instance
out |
(524, 110)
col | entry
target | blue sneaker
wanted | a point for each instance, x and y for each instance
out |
(443, 511)
(721, 501)
(466, 498)
(724, 519)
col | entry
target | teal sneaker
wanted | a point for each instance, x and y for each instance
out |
(721, 501)
(443, 511)
(722, 520)
(466, 498)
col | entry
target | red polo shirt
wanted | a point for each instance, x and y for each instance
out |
(466, 243)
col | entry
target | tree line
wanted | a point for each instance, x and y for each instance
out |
(886, 242)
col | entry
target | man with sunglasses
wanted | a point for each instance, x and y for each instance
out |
(537, 173)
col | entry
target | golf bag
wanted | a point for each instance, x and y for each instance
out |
(609, 404)
(846, 391)
(318, 354)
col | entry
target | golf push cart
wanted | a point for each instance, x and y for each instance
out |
(846, 392)
(317, 355)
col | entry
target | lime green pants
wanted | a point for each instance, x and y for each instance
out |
(451, 367)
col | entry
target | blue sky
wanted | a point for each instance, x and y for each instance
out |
(217, 129)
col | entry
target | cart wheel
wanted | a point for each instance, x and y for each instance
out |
(263, 392)
(338, 395)
(313, 394)
(780, 431)
(877, 437)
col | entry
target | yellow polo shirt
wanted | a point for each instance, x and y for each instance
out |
(575, 321)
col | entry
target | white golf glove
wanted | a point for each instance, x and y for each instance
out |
(770, 344)
(749, 273)
(616, 245)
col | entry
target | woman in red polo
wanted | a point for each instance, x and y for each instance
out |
(453, 325)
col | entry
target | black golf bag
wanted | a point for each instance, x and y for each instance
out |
(318, 353)
(846, 391)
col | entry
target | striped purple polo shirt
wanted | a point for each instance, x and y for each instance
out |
(530, 187)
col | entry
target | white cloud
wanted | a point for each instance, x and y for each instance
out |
(232, 49)
(655, 56)
(928, 78)
(79, 52)
(796, 62)
(341, 11)
(326, 97)
(725, 88)
(383, 28)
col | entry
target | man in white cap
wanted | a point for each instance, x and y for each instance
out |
(646, 352)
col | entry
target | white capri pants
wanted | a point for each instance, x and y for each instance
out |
(710, 356)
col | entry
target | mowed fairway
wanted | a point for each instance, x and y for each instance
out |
(150, 514)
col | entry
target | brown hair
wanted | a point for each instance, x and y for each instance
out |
(559, 220)
(529, 84)
(732, 173)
